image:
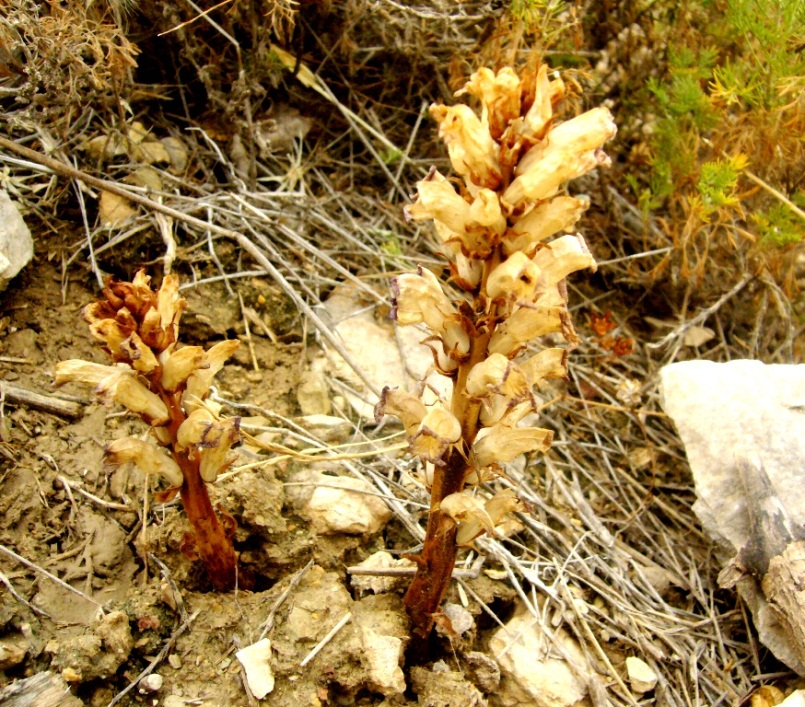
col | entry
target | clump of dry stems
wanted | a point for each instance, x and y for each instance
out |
(493, 224)
(167, 386)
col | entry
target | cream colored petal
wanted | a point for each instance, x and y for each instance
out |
(438, 430)
(559, 214)
(499, 94)
(141, 356)
(192, 431)
(438, 200)
(544, 178)
(215, 456)
(585, 132)
(550, 363)
(500, 444)
(179, 365)
(86, 372)
(523, 326)
(503, 503)
(541, 110)
(562, 257)
(170, 304)
(125, 389)
(485, 211)
(402, 404)
(470, 514)
(109, 331)
(199, 382)
(148, 458)
(418, 297)
(473, 152)
(516, 279)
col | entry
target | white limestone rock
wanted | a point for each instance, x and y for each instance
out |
(16, 244)
(256, 661)
(642, 677)
(534, 670)
(338, 504)
(743, 424)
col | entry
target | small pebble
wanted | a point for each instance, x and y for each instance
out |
(151, 683)
(641, 677)
(174, 661)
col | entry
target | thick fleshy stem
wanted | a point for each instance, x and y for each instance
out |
(210, 539)
(438, 557)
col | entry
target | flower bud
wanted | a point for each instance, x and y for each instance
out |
(170, 304)
(148, 458)
(438, 430)
(499, 95)
(499, 444)
(473, 152)
(558, 214)
(400, 403)
(179, 364)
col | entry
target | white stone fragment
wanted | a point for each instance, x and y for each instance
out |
(535, 671)
(379, 583)
(382, 656)
(16, 244)
(641, 676)
(460, 619)
(151, 683)
(338, 504)
(795, 699)
(256, 661)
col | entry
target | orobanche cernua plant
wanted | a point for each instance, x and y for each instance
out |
(509, 289)
(167, 386)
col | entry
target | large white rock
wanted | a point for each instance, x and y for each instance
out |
(387, 354)
(535, 670)
(743, 426)
(16, 244)
(338, 504)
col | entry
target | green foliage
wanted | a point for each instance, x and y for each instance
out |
(539, 17)
(718, 181)
(778, 225)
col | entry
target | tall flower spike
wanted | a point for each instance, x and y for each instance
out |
(495, 231)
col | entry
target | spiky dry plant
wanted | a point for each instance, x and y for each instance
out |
(493, 224)
(166, 386)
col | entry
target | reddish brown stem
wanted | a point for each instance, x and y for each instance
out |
(212, 544)
(438, 557)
